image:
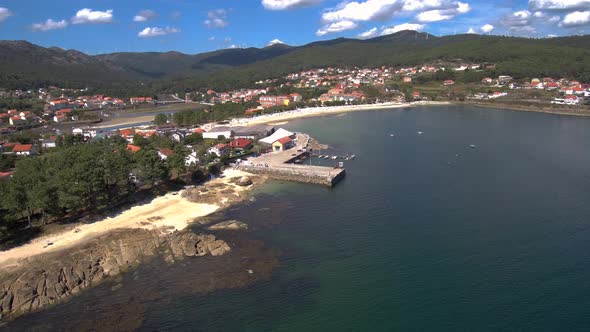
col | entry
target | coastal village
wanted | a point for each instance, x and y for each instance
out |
(321, 89)
(266, 165)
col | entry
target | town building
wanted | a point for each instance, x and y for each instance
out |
(282, 144)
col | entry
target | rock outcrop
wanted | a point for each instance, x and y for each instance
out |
(244, 181)
(228, 225)
(53, 277)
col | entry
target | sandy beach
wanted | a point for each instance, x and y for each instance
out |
(283, 117)
(167, 213)
(126, 121)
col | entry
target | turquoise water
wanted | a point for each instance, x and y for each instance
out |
(425, 233)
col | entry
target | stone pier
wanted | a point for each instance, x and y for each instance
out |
(326, 176)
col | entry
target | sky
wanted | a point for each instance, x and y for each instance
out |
(195, 26)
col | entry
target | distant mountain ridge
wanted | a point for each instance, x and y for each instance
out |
(23, 64)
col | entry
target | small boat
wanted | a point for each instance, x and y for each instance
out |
(391, 135)
(353, 156)
(334, 157)
(472, 146)
(420, 133)
(340, 165)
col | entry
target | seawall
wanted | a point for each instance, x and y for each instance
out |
(326, 176)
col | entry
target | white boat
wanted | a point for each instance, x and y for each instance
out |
(334, 157)
(472, 146)
(391, 135)
(420, 133)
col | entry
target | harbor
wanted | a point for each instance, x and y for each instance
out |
(290, 165)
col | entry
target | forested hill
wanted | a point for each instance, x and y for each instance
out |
(24, 65)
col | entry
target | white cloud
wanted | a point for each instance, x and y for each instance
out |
(288, 4)
(363, 11)
(554, 19)
(155, 32)
(87, 15)
(275, 41)
(551, 36)
(487, 28)
(436, 15)
(337, 27)
(49, 25)
(4, 14)
(559, 4)
(233, 46)
(369, 10)
(576, 19)
(471, 31)
(212, 38)
(368, 34)
(402, 27)
(145, 15)
(519, 22)
(217, 19)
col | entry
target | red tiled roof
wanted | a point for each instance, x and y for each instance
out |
(240, 143)
(22, 147)
(127, 132)
(133, 148)
(284, 140)
(167, 152)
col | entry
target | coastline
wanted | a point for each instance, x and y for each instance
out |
(125, 121)
(167, 214)
(283, 117)
(50, 269)
(523, 108)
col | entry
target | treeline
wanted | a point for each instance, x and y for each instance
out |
(21, 104)
(86, 177)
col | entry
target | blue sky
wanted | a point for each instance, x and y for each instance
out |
(194, 26)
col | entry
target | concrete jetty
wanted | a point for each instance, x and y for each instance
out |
(278, 165)
(326, 176)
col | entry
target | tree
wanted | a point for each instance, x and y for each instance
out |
(194, 138)
(140, 141)
(29, 190)
(160, 119)
(150, 167)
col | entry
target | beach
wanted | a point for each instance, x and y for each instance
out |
(282, 117)
(167, 213)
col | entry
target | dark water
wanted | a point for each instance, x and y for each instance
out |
(425, 233)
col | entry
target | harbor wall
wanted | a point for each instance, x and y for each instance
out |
(325, 176)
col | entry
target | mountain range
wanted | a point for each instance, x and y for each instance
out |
(25, 65)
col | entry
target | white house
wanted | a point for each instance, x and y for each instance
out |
(219, 131)
(165, 153)
(218, 150)
(48, 143)
(191, 159)
(177, 136)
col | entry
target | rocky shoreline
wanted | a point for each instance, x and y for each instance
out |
(47, 279)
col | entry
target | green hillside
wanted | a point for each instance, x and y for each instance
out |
(520, 57)
(24, 65)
